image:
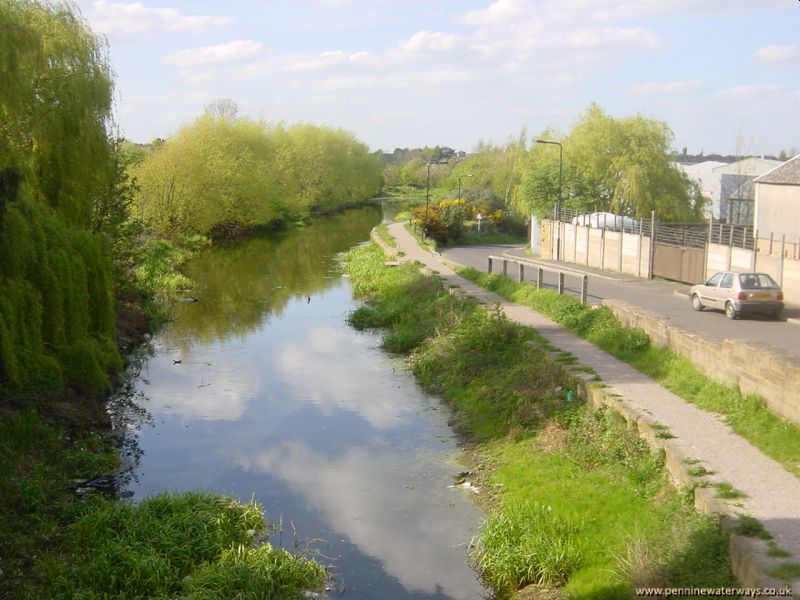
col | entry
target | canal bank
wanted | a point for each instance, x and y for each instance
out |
(699, 438)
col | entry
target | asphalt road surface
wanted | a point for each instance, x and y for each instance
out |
(658, 296)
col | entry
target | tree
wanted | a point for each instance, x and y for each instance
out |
(58, 191)
(219, 173)
(615, 165)
(55, 105)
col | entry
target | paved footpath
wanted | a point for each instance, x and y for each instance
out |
(772, 493)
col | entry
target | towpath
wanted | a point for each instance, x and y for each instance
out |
(772, 493)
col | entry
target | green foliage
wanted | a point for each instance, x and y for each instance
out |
(526, 543)
(55, 106)
(617, 165)
(261, 572)
(37, 462)
(57, 298)
(58, 194)
(196, 543)
(751, 527)
(221, 172)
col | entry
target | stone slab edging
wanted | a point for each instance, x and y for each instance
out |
(748, 556)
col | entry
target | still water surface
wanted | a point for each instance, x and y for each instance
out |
(261, 389)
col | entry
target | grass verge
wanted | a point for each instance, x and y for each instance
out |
(748, 415)
(576, 498)
(55, 543)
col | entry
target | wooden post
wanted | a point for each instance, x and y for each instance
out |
(521, 272)
(539, 277)
(780, 262)
(490, 264)
(584, 288)
(560, 282)
(505, 268)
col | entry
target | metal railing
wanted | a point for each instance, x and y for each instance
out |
(540, 271)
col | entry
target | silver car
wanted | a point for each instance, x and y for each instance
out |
(738, 294)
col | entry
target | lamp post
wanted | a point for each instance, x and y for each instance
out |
(459, 183)
(558, 201)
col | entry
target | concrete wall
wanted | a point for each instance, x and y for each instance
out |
(752, 367)
(776, 210)
(781, 266)
(618, 251)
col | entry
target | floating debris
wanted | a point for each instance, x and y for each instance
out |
(189, 299)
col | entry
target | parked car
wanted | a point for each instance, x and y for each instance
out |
(738, 294)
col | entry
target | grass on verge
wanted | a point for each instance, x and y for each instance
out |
(748, 415)
(581, 502)
(57, 544)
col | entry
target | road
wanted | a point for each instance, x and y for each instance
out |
(658, 296)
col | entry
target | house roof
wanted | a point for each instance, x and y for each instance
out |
(752, 166)
(787, 173)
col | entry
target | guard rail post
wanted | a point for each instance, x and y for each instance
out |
(539, 277)
(560, 282)
(490, 264)
(521, 272)
(584, 288)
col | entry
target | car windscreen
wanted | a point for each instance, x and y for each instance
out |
(751, 281)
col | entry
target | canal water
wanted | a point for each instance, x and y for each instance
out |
(261, 389)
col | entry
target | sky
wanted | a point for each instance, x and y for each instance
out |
(723, 74)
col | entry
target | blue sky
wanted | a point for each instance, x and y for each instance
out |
(725, 75)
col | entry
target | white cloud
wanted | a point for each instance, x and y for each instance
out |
(398, 511)
(668, 87)
(778, 55)
(129, 20)
(340, 380)
(750, 91)
(428, 43)
(232, 52)
(499, 12)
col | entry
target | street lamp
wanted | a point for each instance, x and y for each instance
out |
(459, 183)
(558, 201)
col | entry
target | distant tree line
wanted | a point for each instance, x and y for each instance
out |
(620, 165)
(223, 172)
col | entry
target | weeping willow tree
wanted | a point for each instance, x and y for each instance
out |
(57, 318)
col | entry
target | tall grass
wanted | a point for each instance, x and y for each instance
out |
(57, 544)
(526, 543)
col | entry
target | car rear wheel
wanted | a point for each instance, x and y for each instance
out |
(730, 311)
(696, 303)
